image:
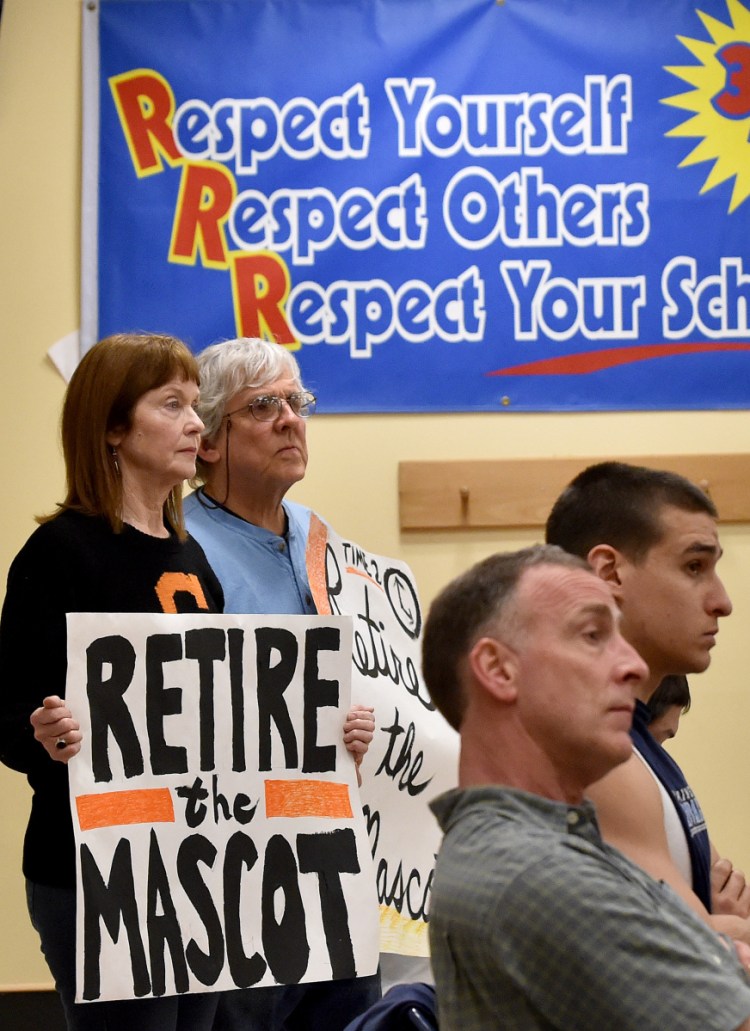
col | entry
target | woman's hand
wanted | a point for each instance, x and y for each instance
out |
(359, 728)
(56, 730)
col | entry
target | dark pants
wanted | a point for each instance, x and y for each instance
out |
(53, 914)
(318, 1006)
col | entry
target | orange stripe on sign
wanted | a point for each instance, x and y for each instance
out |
(112, 808)
(366, 576)
(307, 798)
(315, 560)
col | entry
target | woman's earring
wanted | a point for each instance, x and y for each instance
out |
(113, 452)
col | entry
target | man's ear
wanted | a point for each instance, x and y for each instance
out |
(208, 453)
(494, 667)
(606, 562)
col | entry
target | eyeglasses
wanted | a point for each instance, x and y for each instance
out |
(267, 407)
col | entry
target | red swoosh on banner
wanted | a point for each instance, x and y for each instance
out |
(595, 361)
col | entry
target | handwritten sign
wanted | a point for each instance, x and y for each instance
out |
(220, 838)
(414, 755)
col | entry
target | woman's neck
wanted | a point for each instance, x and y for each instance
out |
(144, 513)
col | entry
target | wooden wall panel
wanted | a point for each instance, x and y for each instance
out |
(484, 494)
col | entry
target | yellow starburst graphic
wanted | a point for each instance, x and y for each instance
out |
(719, 101)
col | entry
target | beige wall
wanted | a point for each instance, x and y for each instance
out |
(353, 472)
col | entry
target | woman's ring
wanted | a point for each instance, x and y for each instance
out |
(61, 743)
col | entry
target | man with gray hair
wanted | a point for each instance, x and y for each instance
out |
(537, 923)
(253, 450)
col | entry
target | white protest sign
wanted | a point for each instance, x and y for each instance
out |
(414, 755)
(220, 838)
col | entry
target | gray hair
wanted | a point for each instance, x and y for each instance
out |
(230, 366)
(480, 601)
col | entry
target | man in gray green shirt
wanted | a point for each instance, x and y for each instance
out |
(535, 922)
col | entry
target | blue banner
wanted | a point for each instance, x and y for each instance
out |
(440, 205)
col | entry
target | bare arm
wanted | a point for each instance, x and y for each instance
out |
(631, 817)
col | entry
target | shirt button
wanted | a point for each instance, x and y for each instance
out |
(572, 818)
(281, 546)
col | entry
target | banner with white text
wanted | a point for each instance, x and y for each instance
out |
(440, 205)
(220, 837)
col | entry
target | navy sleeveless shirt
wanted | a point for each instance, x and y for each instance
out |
(689, 811)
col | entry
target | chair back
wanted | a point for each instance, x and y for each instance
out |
(421, 1020)
(405, 1007)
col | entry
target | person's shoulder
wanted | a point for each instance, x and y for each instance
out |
(192, 546)
(628, 803)
(629, 785)
(301, 518)
(216, 531)
(68, 520)
(190, 501)
(499, 828)
(195, 557)
(301, 513)
(192, 507)
(58, 551)
(204, 519)
(501, 859)
(67, 529)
